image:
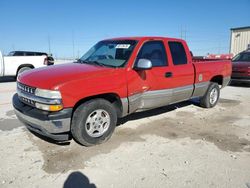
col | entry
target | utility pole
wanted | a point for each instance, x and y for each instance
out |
(49, 44)
(73, 44)
(219, 47)
(183, 33)
(13, 47)
(78, 54)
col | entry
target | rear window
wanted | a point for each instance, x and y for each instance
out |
(178, 53)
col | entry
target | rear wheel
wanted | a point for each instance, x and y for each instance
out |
(211, 97)
(93, 122)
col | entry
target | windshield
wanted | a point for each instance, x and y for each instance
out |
(245, 56)
(111, 53)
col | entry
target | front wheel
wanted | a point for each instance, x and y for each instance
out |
(211, 97)
(93, 122)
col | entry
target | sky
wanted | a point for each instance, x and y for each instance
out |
(68, 28)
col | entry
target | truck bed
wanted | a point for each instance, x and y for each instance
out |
(206, 69)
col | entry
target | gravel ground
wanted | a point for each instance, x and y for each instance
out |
(181, 145)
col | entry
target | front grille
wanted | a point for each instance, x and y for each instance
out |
(25, 88)
(23, 91)
(27, 101)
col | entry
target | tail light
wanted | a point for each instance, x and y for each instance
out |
(45, 62)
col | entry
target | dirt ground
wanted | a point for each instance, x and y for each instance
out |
(181, 145)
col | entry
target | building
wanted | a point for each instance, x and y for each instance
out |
(240, 39)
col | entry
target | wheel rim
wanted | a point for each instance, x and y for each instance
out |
(213, 96)
(97, 123)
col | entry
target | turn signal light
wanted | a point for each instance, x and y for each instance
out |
(52, 108)
(55, 108)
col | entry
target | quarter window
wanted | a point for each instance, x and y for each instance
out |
(178, 53)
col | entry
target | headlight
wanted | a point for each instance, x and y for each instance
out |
(49, 94)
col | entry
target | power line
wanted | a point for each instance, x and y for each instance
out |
(183, 33)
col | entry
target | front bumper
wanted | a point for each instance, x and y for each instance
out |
(55, 125)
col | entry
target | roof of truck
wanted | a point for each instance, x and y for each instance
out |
(143, 38)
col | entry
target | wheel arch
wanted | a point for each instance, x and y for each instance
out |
(217, 79)
(113, 98)
(25, 65)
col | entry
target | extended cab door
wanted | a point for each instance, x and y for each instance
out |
(182, 70)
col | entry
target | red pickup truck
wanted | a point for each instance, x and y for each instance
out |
(113, 79)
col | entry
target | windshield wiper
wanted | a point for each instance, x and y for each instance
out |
(95, 63)
(81, 61)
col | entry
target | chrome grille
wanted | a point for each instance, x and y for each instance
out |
(27, 101)
(25, 88)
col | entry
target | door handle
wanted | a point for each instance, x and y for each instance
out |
(168, 74)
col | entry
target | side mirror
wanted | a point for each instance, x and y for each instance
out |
(143, 64)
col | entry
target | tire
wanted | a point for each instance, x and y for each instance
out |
(21, 70)
(90, 125)
(211, 97)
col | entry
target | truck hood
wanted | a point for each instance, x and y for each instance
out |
(52, 77)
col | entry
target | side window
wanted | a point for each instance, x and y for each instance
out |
(155, 52)
(18, 54)
(29, 54)
(178, 53)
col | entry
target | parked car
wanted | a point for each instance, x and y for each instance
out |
(26, 53)
(50, 59)
(14, 65)
(113, 79)
(241, 67)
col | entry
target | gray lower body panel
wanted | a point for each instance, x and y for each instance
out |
(200, 89)
(226, 81)
(158, 98)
